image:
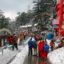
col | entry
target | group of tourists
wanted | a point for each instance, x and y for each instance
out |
(41, 46)
(6, 40)
(44, 46)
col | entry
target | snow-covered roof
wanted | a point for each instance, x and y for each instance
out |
(29, 25)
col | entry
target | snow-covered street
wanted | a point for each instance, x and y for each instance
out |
(9, 55)
(20, 57)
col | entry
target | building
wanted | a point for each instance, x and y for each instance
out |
(27, 28)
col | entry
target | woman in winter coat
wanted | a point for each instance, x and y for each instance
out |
(42, 53)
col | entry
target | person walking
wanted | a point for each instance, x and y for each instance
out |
(15, 42)
(30, 45)
(40, 51)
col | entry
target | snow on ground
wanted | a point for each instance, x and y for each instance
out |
(20, 57)
(57, 56)
(7, 56)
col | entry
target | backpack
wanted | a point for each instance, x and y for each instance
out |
(46, 47)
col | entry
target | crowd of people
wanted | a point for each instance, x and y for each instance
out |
(39, 45)
(6, 40)
(44, 46)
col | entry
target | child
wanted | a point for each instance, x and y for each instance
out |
(52, 45)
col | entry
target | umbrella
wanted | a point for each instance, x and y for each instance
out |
(50, 36)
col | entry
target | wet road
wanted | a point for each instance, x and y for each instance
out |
(31, 60)
(35, 60)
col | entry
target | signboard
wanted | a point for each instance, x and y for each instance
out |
(55, 21)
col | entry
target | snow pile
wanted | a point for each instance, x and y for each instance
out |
(57, 56)
(20, 57)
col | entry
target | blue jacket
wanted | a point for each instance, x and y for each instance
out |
(30, 44)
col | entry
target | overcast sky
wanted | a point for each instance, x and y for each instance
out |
(11, 7)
